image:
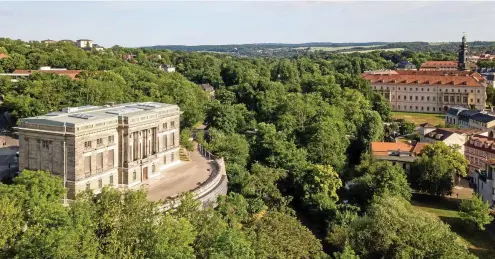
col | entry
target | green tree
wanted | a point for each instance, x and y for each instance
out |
(234, 148)
(348, 253)
(185, 139)
(278, 235)
(392, 228)
(433, 172)
(378, 178)
(475, 212)
(232, 244)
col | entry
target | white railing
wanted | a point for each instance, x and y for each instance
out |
(208, 191)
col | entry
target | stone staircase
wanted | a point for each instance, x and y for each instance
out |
(184, 154)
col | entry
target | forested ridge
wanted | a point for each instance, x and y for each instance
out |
(294, 133)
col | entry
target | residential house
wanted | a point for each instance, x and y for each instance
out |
(464, 117)
(483, 182)
(489, 74)
(48, 41)
(98, 47)
(478, 149)
(439, 66)
(167, 68)
(84, 44)
(209, 89)
(482, 121)
(406, 65)
(400, 153)
(425, 128)
(452, 116)
(450, 136)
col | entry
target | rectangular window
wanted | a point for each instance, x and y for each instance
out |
(100, 183)
(478, 100)
(99, 160)
(416, 98)
(433, 98)
(410, 97)
(44, 143)
(427, 98)
(172, 124)
(87, 144)
(99, 141)
(110, 157)
(422, 98)
(111, 179)
(134, 176)
(165, 125)
(87, 164)
(110, 139)
(173, 139)
(446, 99)
(398, 97)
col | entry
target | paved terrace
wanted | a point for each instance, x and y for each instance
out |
(179, 179)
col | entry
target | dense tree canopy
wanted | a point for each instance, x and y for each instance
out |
(435, 170)
(291, 130)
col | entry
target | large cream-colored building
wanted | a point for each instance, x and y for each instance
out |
(96, 146)
(429, 91)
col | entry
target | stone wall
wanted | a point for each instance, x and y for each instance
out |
(208, 192)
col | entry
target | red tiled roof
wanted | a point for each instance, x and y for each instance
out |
(439, 64)
(484, 140)
(3, 55)
(70, 73)
(383, 148)
(459, 78)
(418, 148)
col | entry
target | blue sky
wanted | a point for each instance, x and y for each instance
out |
(135, 24)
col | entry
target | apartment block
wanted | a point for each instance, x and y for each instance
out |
(91, 147)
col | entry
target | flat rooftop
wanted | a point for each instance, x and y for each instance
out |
(75, 116)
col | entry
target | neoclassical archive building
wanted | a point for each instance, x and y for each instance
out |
(96, 146)
(432, 90)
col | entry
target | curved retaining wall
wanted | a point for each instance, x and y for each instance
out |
(208, 192)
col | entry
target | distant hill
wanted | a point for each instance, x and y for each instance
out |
(230, 47)
(292, 49)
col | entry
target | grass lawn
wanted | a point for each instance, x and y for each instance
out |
(479, 242)
(419, 118)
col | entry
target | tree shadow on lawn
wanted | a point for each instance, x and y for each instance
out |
(435, 202)
(482, 245)
(447, 210)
